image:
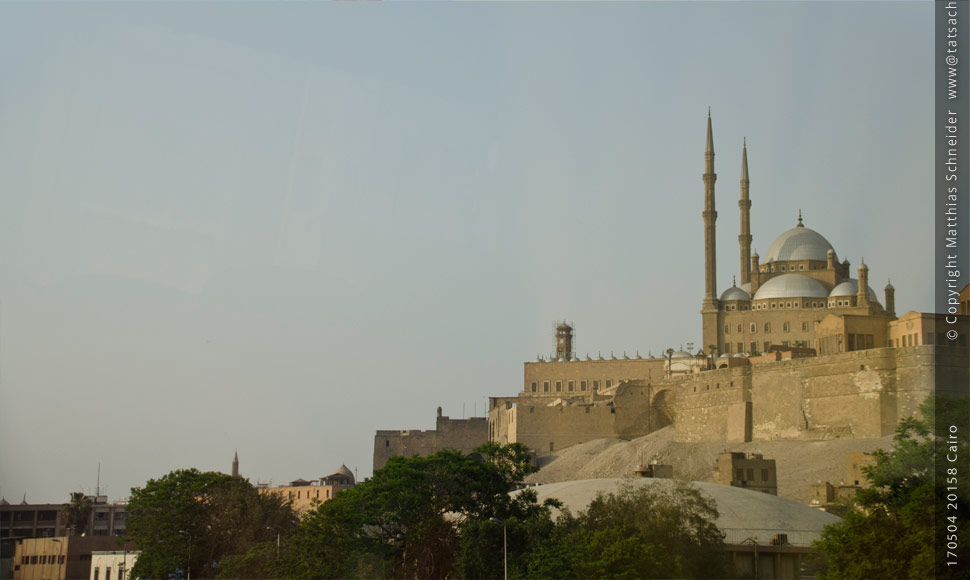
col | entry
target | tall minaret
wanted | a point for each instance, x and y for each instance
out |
(862, 298)
(235, 465)
(709, 308)
(745, 204)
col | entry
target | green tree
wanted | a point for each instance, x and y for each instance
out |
(76, 513)
(407, 520)
(192, 521)
(646, 531)
(890, 530)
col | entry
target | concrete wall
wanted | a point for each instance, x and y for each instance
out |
(461, 434)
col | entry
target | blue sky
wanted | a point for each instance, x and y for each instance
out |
(276, 228)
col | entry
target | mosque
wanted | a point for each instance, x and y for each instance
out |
(800, 350)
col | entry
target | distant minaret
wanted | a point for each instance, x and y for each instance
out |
(890, 300)
(745, 204)
(710, 216)
(709, 308)
(235, 465)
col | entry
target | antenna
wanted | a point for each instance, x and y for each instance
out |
(97, 490)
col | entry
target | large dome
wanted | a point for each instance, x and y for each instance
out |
(791, 286)
(798, 243)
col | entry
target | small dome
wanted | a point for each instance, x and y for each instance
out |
(681, 354)
(739, 355)
(724, 355)
(850, 288)
(344, 471)
(735, 293)
(889, 286)
(791, 286)
(798, 243)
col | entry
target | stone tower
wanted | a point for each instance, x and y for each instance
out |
(235, 465)
(564, 342)
(862, 298)
(745, 204)
(709, 308)
(890, 300)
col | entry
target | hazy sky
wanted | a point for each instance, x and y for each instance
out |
(278, 227)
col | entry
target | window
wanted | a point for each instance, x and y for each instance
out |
(767, 346)
(97, 571)
(804, 327)
(801, 266)
(754, 347)
(545, 386)
(583, 386)
(754, 328)
(767, 327)
(788, 305)
(535, 387)
(107, 573)
(740, 329)
(786, 327)
(740, 347)
(750, 474)
(596, 385)
(782, 268)
(387, 443)
(609, 383)
(764, 475)
(572, 386)
(727, 329)
(558, 386)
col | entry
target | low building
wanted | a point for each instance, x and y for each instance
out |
(305, 494)
(752, 471)
(67, 557)
(112, 565)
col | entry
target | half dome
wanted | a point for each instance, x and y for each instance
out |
(791, 286)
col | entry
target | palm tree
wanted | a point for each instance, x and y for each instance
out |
(76, 513)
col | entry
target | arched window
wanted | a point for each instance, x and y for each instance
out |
(767, 327)
(754, 327)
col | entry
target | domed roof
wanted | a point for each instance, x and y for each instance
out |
(738, 509)
(343, 471)
(850, 288)
(798, 243)
(681, 354)
(791, 286)
(734, 293)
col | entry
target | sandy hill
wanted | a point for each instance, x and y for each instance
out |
(799, 463)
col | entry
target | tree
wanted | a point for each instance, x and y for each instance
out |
(641, 531)
(408, 520)
(192, 521)
(76, 513)
(890, 530)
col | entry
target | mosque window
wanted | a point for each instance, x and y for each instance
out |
(727, 329)
(786, 327)
(582, 385)
(558, 386)
(804, 327)
(545, 386)
(772, 305)
(572, 386)
(596, 385)
(740, 329)
(782, 268)
(788, 305)
(609, 383)
(767, 327)
(754, 328)
(740, 347)
(767, 346)
(535, 386)
(801, 266)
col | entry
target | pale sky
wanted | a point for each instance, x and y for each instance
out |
(279, 227)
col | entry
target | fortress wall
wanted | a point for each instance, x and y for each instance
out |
(461, 434)
(709, 405)
(544, 428)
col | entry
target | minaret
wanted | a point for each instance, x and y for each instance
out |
(890, 300)
(745, 204)
(235, 465)
(709, 308)
(564, 342)
(862, 298)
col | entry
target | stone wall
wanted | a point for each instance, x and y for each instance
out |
(461, 434)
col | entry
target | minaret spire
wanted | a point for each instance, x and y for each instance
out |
(744, 240)
(235, 464)
(709, 308)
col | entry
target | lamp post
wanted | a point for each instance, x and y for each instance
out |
(60, 546)
(505, 544)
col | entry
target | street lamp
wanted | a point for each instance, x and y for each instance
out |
(505, 544)
(60, 546)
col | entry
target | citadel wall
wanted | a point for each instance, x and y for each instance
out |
(460, 434)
